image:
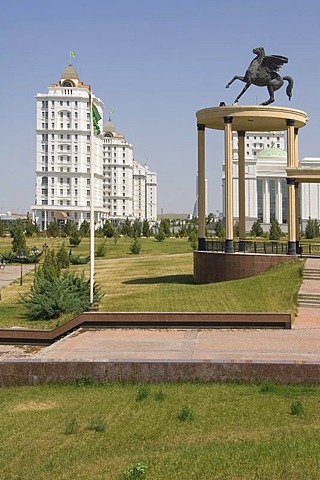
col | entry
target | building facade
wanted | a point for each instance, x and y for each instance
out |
(63, 159)
(266, 185)
(265, 179)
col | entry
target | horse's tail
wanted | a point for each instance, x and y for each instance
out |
(289, 86)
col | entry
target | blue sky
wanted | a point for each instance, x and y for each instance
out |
(155, 63)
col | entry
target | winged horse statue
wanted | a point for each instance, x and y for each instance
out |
(262, 72)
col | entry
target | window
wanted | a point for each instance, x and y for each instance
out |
(88, 181)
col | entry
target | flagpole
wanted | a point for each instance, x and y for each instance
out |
(91, 199)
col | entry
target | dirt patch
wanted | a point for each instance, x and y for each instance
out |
(27, 406)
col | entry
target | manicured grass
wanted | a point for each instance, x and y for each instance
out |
(149, 246)
(234, 432)
(165, 283)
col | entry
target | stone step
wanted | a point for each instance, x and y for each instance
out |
(311, 274)
(309, 300)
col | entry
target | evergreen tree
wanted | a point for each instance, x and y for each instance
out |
(165, 226)
(275, 232)
(108, 230)
(312, 229)
(75, 237)
(63, 257)
(219, 229)
(126, 228)
(136, 228)
(146, 229)
(256, 229)
(53, 229)
(84, 228)
(19, 242)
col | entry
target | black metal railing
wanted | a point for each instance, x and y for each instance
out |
(267, 247)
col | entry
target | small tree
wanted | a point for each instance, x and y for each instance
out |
(102, 249)
(219, 229)
(165, 226)
(135, 246)
(108, 230)
(275, 232)
(30, 227)
(63, 257)
(136, 228)
(146, 229)
(126, 228)
(312, 229)
(160, 236)
(19, 242)
(84, 228)
(256, 229)
(75, 237)
(2, 228)
(53, 229)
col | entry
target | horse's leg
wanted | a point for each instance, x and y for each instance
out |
(242, 92)
(271, 93)
(237, 77)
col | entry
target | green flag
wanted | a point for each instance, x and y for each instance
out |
(95, 118)
(72, 54)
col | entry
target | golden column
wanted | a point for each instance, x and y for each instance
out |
(242, 186)
(228, 183)
(292, 216)
(201, 188)
(296, 164)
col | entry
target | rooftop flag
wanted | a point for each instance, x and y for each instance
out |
(72, 54)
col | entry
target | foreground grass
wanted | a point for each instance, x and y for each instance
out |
(165, 283)
(237, 432)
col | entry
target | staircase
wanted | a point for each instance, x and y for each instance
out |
(310, 299)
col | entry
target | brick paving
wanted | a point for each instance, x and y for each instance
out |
(298, 345)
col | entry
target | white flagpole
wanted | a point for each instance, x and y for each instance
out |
(91, 200)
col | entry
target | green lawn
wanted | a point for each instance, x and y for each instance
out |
(237, 432)
(161, 279)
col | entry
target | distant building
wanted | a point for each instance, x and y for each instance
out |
(265, 182)
(265, 179)
(63, 162)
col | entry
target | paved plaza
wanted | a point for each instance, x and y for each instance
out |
(298, 345)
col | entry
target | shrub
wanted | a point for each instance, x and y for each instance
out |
(142, 393)
(135, 246)
(267, 387)
(97, 424)
(296, 408)
(101, 250)
(136, 472)
(160, 236)
(77, 260)
(185, 413)
(72, 426)
(84, 381)
(160, 395)
(52, 296)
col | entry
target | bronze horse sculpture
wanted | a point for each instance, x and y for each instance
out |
(262, 72)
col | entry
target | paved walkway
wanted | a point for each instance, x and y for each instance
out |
(301, 344)
(12, 272)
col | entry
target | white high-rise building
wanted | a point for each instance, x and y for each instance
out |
(122, 187)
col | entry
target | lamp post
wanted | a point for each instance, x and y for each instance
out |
(35, 252)
(45, 248)
(21, 256)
